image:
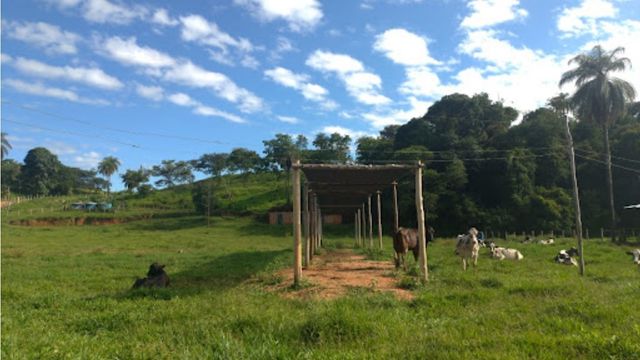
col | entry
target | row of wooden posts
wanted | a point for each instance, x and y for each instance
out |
(311, 223)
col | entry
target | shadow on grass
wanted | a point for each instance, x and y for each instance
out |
(219, 274)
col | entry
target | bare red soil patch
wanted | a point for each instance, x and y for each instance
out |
(337, 272)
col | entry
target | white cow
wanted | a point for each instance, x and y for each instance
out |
(567, 257)
(468, 247)
(504, 253)
(549, 241)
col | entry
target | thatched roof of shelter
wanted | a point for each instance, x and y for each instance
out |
(346, 187)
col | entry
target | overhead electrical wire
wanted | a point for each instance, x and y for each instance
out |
(637, 171)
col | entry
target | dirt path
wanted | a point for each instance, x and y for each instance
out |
(336, 272)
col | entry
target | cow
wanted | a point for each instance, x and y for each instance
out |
(468, 247)
(156, 277)
(406, 239)
(567, 257)
(636, 255)
(549, 241)
(505, 253)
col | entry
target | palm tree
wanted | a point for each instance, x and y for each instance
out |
(6, 146)
(561, 105)
(107, 167)
(600, 98)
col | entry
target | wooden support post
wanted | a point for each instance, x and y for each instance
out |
(307, 237)
(424, 271)
(297, 228)
(586, 233)
(379, 221)
(396, 224)
(312, 226)
(355, 225)
(370, 224)
(320, 238)
(602, 234)
(364, 226)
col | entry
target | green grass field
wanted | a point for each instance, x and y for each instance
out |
(65, 294)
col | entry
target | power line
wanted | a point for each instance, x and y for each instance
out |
(109, 128)
(74, 133)
(612, 156)
(637, 171)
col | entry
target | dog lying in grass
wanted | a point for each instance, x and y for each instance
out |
(156, 277)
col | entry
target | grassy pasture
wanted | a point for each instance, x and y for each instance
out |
(65, 294)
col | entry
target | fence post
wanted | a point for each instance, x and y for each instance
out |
(586, 232)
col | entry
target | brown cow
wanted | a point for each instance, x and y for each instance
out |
(406, 239)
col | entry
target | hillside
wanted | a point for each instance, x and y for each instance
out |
(250, 194)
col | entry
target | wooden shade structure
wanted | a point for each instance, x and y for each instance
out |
(348, 189)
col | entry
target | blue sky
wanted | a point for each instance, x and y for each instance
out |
(95, 78)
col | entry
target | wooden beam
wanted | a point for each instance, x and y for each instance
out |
(356, 167)
(424, 271)
(297, 228)
(307, 235)
(379, 221)
(370, 223)
(395, 207)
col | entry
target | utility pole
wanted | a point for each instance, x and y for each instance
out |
(576, 196)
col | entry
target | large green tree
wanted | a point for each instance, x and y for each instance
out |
(172, 172)
(39, 174)
(331, 148)
(107, 167)
(10, 176)
(600, 98)
(133, 179)
(243, 160)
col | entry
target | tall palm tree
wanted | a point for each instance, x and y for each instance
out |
(107, 167)
(6, 146)
(600, 98)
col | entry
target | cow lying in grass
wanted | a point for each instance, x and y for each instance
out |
(406, 239)
(636, 255)
(468, 247)
(549, 241)
(505, 253)
(567, 257)
(156, 277)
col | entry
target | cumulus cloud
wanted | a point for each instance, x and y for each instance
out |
(486, 13)
(404, 48)
(300, 82)
(88, 160)
(289, 119)
(104, 11)
(582, 19)
(180, 71)
(197, 29)
(88, 76)
(182, 99)
(353, 134)
(161, 17)
(40, 89)
(364, 86)
(300, 15)
(43, 35)
(155, 93)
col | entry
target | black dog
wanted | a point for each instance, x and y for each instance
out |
(156, 277)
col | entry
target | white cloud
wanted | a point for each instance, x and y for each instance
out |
(5, 58)
(416, 108)
(87, 160)
(301, 15)
(362, 85)
(289, 119)
(404, 47)
(186, 73)
(353, 134)
(161, 17)
(127, 51)
(421, 81)
(155, 93)
(183, 72)
(486, 13)
(60, 148)
(42, 90)
(582, 19)
(300, 82)
(46, 36)
(182, 99)
(104, 11)
(89, 76)
(197, 29)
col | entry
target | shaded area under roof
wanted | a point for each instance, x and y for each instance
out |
(346, 187)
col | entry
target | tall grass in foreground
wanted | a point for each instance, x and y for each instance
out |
(65, 293)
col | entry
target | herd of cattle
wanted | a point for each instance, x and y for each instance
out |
(468, 248)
